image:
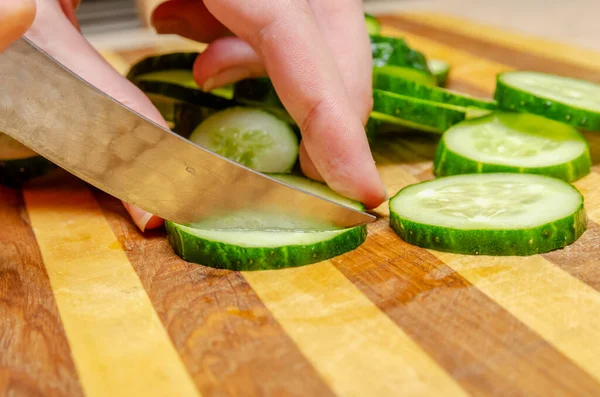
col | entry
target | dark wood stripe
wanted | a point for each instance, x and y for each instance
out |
(486, 349)
(35, 358)
(493, 51)
(227, 338)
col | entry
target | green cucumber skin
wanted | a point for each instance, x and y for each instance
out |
(392, 51)
(514, 99)
(232, 257)
(406, 87)
(435, 117)
(176, 60)
(448, 163)
(13, 173)
(544, 238)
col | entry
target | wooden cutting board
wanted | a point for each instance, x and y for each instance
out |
(89, 305)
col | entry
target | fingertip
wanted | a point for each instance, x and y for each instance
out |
(307, 165)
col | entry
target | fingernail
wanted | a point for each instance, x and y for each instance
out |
(225, 77)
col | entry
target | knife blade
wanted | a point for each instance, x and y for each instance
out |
(63, 118)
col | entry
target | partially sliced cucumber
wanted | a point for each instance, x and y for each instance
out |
(417, 113)
(184, 78)
(571, 101)
(440, 70)
(489, 214)
(265, 249)
(249, 136)
(19, 164)
(393, 51)
(408, 87)
(513, 142)
(373, 25)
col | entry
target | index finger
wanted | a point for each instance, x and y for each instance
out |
(309, 84)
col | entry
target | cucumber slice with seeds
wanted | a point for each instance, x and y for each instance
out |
(513, 142)
(571, 101)
(252, 137)
(265, 249)
(440, 70)
(489, 214)
(417, 113)
(408, 87)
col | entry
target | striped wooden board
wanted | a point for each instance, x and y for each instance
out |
(90, 306)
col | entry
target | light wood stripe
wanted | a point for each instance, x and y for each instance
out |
(221, 329)
(118, 343)
(562, 309)
(35, 359)
(357, 349)
(518, 41)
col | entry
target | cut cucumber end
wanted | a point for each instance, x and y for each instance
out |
(489, 214)
(440, 70)
(513, 142)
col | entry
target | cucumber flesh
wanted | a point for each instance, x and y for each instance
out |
(184, 78)
(489, 214)
(440, 70)
(409, 87)
(249, 136)
(513, 142)
(571, 101)
(256, 249)
(373, 25)
(417, 76)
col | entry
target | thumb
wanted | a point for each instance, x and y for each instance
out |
(16, 16)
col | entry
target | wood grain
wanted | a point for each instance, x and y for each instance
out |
(231, 344)
(119, 346)
(35, 359)
(386, 319)
(477, 341)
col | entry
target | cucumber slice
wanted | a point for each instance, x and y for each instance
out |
(440, 70)
(403, 86)
(19, 164)
(183, 78)
(373, 25)
(418, 76)
(417, 113)
(571, 101)
(265, 249)
(513, 142)
(489, 214)
(249, 136)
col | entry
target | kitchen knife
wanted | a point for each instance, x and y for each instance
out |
(78, 127)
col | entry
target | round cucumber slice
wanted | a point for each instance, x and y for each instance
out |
(513, 142)
(252, 137)
(256, 249)
(489, 214)
(571, 101)
(440, 70)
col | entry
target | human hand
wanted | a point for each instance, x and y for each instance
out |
(316, 53)
(55, 30)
